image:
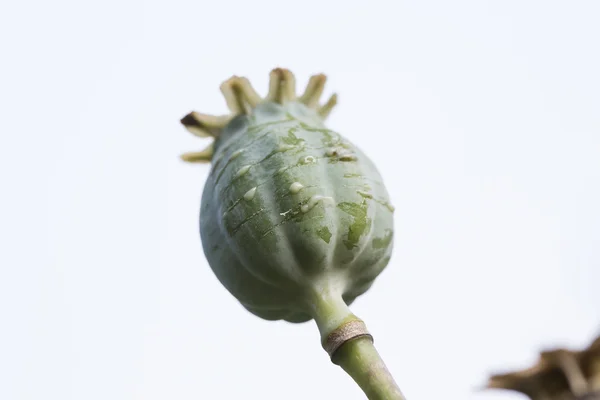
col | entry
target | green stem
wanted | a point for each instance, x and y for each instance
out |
(358, 356)
(360, 359)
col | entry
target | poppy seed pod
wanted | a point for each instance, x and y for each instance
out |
(295, 220)
(291, 210)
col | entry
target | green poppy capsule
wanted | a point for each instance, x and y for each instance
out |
(295, 220)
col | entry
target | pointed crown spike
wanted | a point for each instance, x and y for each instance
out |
(242, 98)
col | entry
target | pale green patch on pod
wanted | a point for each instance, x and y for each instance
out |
(294, 218)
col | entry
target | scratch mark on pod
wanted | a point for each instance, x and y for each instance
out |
(337, 151)
(280, 171)
(231, 142)
(252, 129)
(242, 171)
(365, 194)
(255, 128)
(277, 192)
(340, 153)
(288, 218)
(236, 153)
(296, 187)
(364, 178)
(231, 207)
(241, 224)
(283, 214)
(312, 202)
(232, 157)
(224, 167)
(348, 157)
(363, 186)
(285, 147)
(331, 152)
(250, 194)
(384, 203)
(218, 160)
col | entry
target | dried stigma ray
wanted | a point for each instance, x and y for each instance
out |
(242, 98)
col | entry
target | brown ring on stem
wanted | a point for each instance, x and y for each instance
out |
(350, 330)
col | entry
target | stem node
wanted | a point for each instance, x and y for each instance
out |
(350, 345)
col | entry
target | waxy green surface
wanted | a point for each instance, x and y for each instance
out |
(291, 210)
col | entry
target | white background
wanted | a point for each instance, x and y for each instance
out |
(483, 117)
